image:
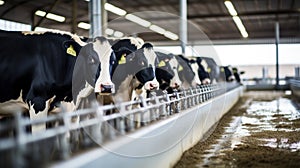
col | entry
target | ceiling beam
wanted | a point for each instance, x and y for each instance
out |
(260, 13)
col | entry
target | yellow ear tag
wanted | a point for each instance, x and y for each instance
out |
(161, 64)
(123, 59)
(222, 69)
(208, 70)
(71, 51)
(180, 68)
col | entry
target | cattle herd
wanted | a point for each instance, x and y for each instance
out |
(44, 71)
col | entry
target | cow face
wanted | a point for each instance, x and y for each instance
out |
(108, 64)
(185, 72)
(94, 66)
(167, 71)
(143, 63)
(203, 71)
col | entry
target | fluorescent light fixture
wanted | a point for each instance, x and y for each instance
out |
(230, 8)
(84, 25)
(109, 31)
(138, 20)
(114, 9)
(2, 2)
(157, 29)
(171, 35)
(50, 16)
(118, 34)
(240, 26)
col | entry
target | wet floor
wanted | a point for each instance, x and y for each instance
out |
(262, 130)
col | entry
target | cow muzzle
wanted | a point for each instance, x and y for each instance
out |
(151, 85)
(107, 89)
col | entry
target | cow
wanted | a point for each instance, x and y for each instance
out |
(236, 74)
(136, 67)
(212, 69)
(226, 74)
(41, 69)
(167, 72)
(186, 73)
(199, 69)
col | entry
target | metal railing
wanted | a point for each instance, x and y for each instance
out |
(19, 148)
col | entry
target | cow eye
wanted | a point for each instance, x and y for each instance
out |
(142, 63)
(91, 60)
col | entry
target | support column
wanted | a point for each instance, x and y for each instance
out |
(183, 25)
(277, 53)
(95, 18)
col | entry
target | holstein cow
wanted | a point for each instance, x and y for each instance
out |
(186, 73)
(212, 68)
(167, 72)
(226, 74)
(199, 68)
(38, 70)
(135, 70)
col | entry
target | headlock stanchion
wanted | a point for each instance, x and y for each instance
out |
(20, 148)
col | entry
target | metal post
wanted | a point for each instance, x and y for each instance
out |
(95, 18)
(183, 25)
(104, 17)
(277, 60)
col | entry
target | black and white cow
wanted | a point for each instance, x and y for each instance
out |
(226, 74)
(186, 73)
(40, 70)
(167, 72)
(212, 68)
(136, 68)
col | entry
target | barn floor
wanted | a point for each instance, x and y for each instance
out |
(262, 130)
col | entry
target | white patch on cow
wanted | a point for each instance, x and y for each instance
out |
(103, 51)
(12, 106)
(85, 92)
(39, 115)
(196, 81)
(124, 93)
(204, 64)
(151, 57)
(175, 81)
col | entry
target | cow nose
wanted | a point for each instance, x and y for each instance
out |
(106, 88)
(151, 85)
(175, 85)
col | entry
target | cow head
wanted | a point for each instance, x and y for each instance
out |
(203, 71)
(167, 71)
(137, 61)
(94, 67)
(185, 72)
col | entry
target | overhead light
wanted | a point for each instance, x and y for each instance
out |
(50, 16)
(157, 29)
(138, 20)
(240, 26)
(230, 8)
(109, 31)
(118, 34)
(84, 25)
(114, 9)
(2, 2)
(171, 35)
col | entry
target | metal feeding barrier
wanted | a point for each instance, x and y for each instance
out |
(64, 138)
(295, 87)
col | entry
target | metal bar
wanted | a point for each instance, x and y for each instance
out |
(95, 18)
(277, 53)
(47, 11)
(183, 25)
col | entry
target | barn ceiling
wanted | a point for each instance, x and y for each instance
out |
(207, 19)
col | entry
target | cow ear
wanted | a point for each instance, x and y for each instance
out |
(71, 47)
